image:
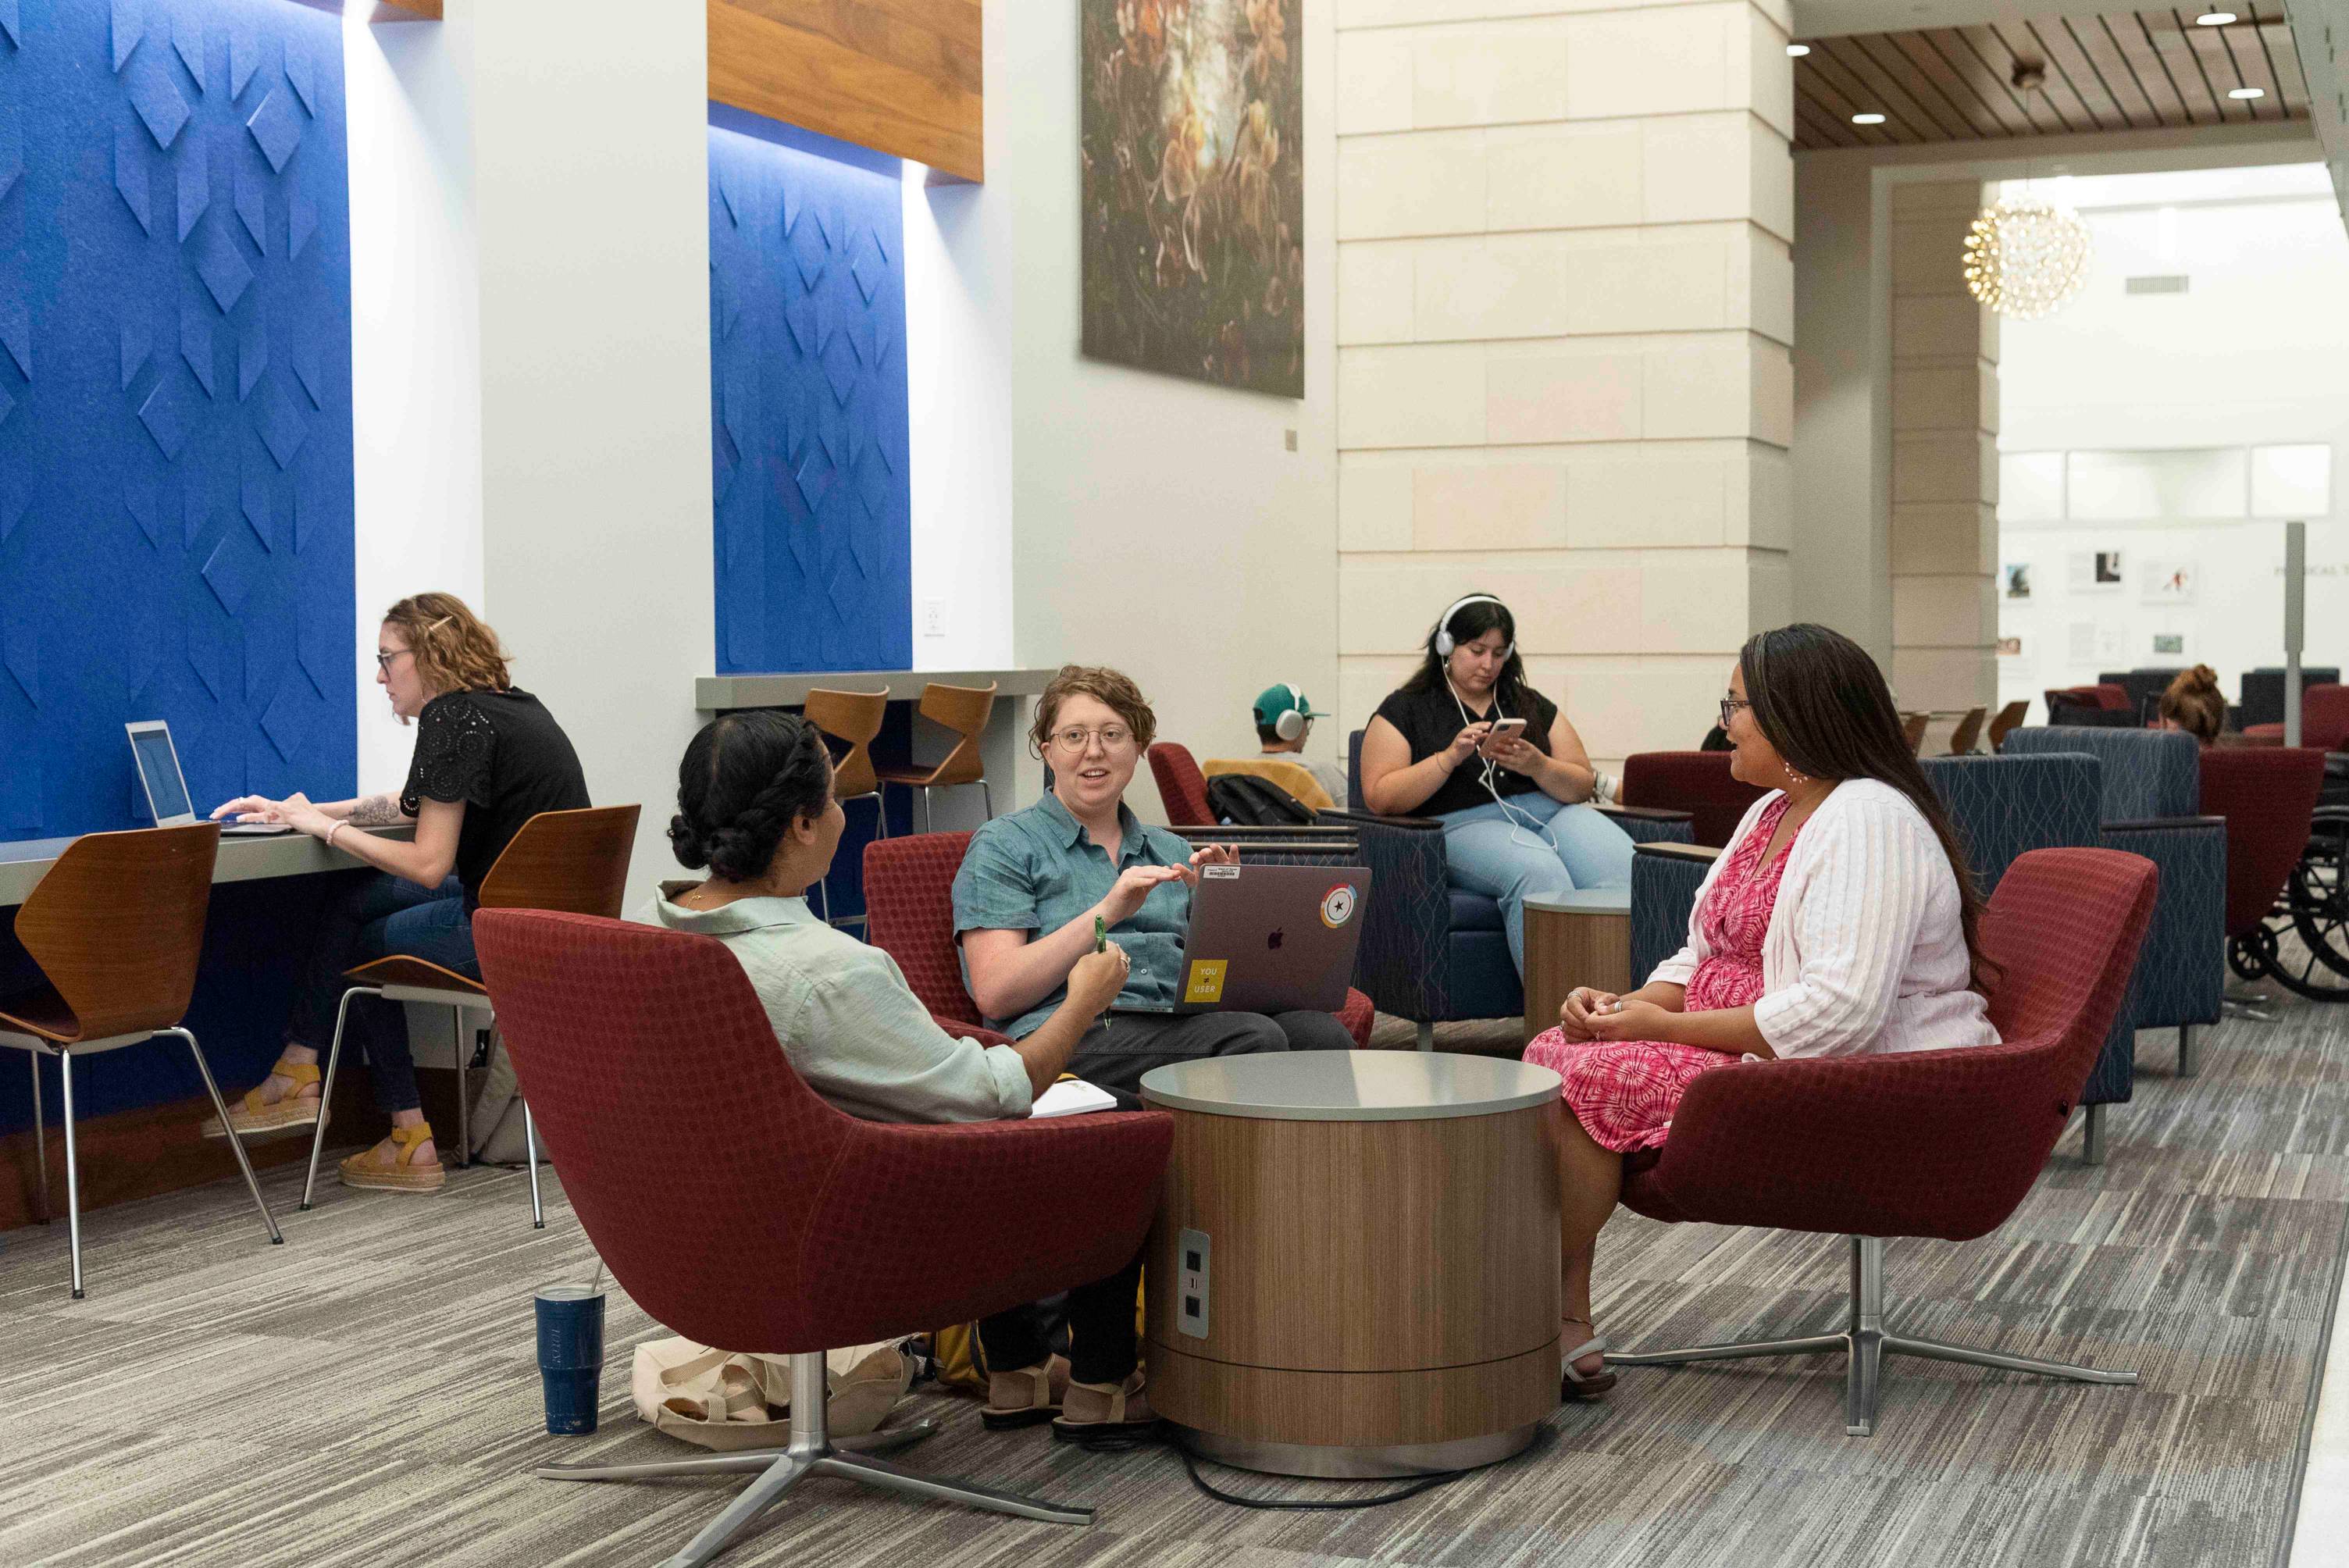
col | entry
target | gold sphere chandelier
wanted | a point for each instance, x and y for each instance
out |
(2025, 257)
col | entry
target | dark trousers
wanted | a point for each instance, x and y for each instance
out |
(380, 916)
(1100, 1330)
(1121, 1046)
(1114, 1053)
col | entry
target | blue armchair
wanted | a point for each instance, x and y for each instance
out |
(1430, 951)
(2150, 800)
(2001, 807)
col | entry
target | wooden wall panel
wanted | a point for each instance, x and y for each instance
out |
(901, 76)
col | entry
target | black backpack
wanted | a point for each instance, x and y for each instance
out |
(1244, 800)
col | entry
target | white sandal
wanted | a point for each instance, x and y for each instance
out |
(1574, 1384)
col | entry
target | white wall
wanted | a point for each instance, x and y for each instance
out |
(958, 290)
(1161, 524)
(591, 185)
(416, 348)
(2255, 353)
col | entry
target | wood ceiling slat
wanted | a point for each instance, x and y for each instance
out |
(2024, 43)
(2129, 37)
(2096, 45)
(1831, 98)
(1987, 85)
(2251, 64)
(2219, 68)
(1815, 127)
(1835, 62)
(1997, 66)
(1922, 61)
(2065, 58)
(2184, 68)
(2120, 70)
(2283, 63)
(1889, 68)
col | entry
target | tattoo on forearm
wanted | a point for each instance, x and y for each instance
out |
(377, 811)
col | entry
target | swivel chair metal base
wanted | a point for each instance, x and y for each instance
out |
(813, 1451)
(1865, 1345)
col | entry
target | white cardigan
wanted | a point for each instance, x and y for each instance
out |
(1865, 950)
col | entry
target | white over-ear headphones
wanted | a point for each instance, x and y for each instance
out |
(1444, 640)
(1291, 723)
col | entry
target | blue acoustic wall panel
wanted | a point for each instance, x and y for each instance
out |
(175, 413)
(807, 335)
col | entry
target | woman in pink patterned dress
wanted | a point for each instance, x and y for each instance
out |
(1839, 919)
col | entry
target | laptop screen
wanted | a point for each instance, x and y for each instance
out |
(159, 765)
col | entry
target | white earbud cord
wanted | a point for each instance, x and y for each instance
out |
(1543, 838)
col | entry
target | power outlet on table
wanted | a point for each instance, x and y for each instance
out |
(1191, 1284)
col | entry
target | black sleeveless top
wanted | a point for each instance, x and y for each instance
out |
(1429, 719)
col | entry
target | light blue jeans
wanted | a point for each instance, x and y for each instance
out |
(1504, 856)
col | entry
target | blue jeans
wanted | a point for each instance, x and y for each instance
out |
(381, 916)
(1504, 856)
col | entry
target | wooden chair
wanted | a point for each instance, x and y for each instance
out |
(853, 718)
(116, 927)
(2008, 717)
(1969, 730)
(1913, 726)
(572, 862)
(964, 710)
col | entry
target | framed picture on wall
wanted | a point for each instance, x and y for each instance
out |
(2172, 643)
(2168, 581)
(2010, 647)
(2017, 577)
(2094, 570)
(1193, 151)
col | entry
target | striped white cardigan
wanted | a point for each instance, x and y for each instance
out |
(1865, 950)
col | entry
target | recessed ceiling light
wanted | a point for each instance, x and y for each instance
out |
(1798, 49)
(2248, 93)
(2214, 18)
(1867, 119)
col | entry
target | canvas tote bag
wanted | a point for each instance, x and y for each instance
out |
(731, 1400)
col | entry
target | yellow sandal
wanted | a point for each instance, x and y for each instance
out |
(252, 1114)
(405, 1176)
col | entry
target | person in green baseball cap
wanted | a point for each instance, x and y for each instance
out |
(1284, 719)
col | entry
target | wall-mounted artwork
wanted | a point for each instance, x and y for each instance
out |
(2018, 579)
(1194, 217)
(2168, 581)
(2169, 642)
(2010, 647)
(2095, 572)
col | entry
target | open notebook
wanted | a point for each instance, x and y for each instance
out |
(1072, 1097)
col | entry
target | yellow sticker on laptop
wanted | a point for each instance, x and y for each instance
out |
(1205, 982)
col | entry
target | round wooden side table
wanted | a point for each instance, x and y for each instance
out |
(1355, 1266)
(1581, 938)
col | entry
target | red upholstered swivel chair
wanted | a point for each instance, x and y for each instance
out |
(1697, 782)
(2323, 720)
(739, 1209)
(1182, 787)
(1921, 1143)
(2268, 796)
(909, 903)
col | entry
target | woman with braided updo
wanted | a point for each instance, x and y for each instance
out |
(755, 805)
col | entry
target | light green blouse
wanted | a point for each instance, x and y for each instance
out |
(845, 1015)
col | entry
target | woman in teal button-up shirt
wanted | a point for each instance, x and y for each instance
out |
(1033, 883)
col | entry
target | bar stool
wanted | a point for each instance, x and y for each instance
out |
(964, 710)
(575, 862)
(852, 718)
(116, 927)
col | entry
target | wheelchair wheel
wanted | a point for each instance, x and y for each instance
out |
(2279, 953)
(2317, 895)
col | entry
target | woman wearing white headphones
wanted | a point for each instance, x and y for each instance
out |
(1466, 741)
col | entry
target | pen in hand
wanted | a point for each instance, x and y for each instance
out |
(1100, 942)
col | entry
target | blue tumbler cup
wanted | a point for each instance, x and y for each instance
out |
(570, 1356)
